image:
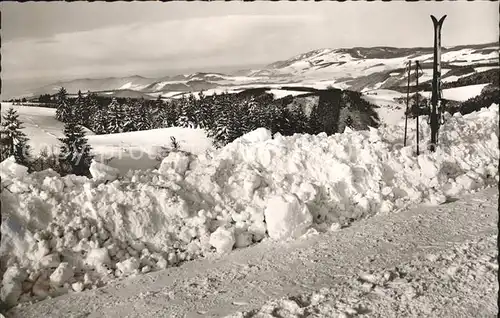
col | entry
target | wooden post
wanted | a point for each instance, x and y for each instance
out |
(436, 81)
(407, 100)
(417, 66)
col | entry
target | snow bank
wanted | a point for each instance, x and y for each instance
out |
(9, 169)
(73, 233)
(102, 172)
(286, 217)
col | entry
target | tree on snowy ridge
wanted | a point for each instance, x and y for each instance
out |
(143, 116)
(80, 109)
(97, 118)
(13, 141)
(63, 107)
(100, 124)
(87, 109)
(75, 150)
(186, 112)
(130, 119)
(116, 117)
(158, 115)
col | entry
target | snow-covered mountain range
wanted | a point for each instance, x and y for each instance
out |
(358, 68)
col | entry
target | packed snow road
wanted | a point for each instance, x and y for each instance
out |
(425, 261)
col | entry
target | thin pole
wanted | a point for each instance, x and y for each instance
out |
(417, 66)
(407, 100)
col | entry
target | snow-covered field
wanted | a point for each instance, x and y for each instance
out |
(64, 234)
(463, 93)
(41, 126)
(141, 149)
(280, 93)
(459, 94)
(124, 151)
(390, 112)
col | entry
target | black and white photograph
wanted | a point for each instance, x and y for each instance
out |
(249, 159)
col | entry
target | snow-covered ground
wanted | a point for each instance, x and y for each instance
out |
(484, 68)
(463, 93)
(142, 149)
(459, 94)
(63, 234)
(124, 151)
(390, 112)
(41, 126)
(280, 93)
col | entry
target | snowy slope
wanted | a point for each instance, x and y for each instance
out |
(132, 150)
(141, 149)
(390, 112)
(278, 93)
(460, 94)
(463, 93)
(253, 188)
(40, 126)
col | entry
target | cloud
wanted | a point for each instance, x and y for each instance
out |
(193, 42)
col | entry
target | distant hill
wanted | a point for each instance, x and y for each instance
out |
(358, 69)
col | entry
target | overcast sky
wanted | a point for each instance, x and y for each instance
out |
(72, 40)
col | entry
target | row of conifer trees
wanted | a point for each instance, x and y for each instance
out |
(225, 117)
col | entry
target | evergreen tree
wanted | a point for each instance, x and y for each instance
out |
(13, 140)
(63, 108)
(79, 109)
(186, 112)
(143, 118)
(204, 110)
(229, 122)
(129, 116)
(299, 120)
(75, 150)
(100, 121)
(92, 103)
(87, 109)
(171, 113)
(158, 115)
(96, 118)
(116, 117)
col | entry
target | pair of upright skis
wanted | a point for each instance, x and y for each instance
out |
(436, 111)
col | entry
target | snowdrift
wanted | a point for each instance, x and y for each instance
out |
(67, 234)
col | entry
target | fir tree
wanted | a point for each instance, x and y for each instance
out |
(14, 141)
(143, 118)
(171, 113)
(100, 122)
(75, 149)
(186, 112)
(116, 117)
(88, 108)
(79, 109)
(129, 116)
(300, 120)
(203, 111)
(96, 115)
(159, 116)
(63, 108)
